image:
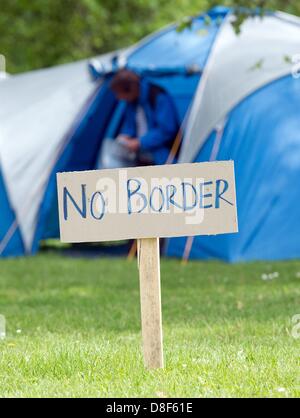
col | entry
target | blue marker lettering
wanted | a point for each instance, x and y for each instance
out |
(135, 192)
(203, 196)
(219, 194)
(102, 210)
(170, 192)
(67, 194)
(162, 197)
(184, 186)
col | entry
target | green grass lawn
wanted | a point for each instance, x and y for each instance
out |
(73, 329)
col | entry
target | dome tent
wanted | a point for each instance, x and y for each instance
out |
(55, 119)
(245, 109)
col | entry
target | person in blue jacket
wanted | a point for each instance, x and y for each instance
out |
(150, 122)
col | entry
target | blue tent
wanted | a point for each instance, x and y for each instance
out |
(238, 97)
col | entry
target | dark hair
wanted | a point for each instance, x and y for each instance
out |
(125, 81)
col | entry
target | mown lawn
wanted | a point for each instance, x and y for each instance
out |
(73, 329)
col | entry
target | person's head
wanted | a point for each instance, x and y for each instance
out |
(126, 85)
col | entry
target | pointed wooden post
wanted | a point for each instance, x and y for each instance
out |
(150, 293)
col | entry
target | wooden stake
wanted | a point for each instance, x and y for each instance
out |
(149, 272)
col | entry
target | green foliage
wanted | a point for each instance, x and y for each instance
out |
(73, 329)
(40, 33)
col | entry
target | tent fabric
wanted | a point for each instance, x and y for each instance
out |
(178, 49)
(55, 120)
(80, 153)
(260, 53)
(267, 168)
(11, 240)
(40, 109)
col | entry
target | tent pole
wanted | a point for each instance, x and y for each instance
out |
(187, 249)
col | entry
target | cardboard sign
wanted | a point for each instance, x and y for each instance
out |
(144, 202)
(148, 203)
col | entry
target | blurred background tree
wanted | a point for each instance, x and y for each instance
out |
(41, 33)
